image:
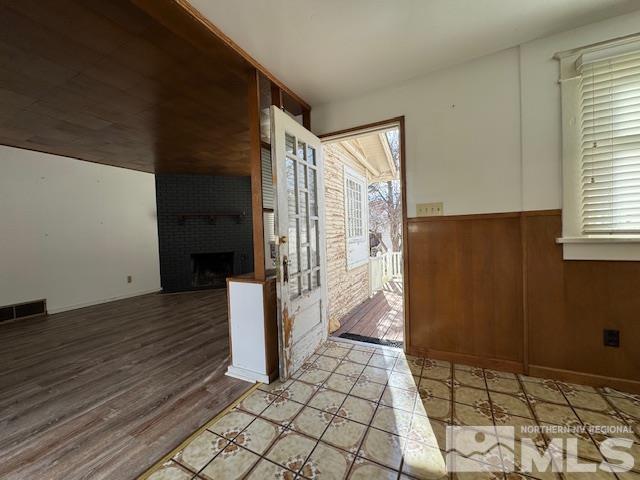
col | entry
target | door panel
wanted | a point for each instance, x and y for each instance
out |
(300, 266)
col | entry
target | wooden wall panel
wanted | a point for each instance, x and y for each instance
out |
(466, 286)
(474, 279)
(569, 303)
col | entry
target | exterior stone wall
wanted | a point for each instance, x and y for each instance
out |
(347, 288)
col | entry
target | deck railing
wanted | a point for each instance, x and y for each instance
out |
(383, 269)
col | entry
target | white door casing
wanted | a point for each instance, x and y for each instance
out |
(300, 232)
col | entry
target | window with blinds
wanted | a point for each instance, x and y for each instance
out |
(610, 135)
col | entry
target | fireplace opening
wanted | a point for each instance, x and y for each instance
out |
(210, 270)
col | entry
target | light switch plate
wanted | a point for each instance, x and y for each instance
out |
(429, 209)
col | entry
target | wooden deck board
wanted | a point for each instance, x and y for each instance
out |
(380, 316)
(105, 391)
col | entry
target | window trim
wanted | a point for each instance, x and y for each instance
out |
(354, 175)
(577, 245)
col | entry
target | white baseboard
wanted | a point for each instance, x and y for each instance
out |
(100, 301)
(246, 375)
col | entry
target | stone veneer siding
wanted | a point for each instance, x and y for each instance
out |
(347, 288)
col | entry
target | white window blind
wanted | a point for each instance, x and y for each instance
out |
(610, 134)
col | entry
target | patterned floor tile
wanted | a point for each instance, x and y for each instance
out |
(367, 390)
(376, 374)
(231, 424)
(399, 398)
(171, 471)
(523, 427)
(433, 388)
(435, 408)
(357, 409)
(433, 363)
(512, 456)
(299, 391)
(574, 445)
(258, 436)
(423, 431)
(392, 420)
(344, 434)
(328, 400)
(510, 405)
(282, 411)
(489, 373)
(605, 419)
(314, 376)
(232, 463)
(570, 387)
(347, 367)
(404, 380)
(388, 351)
(266, 469)
(423, 461)
(437, 373)
(502, 384)
(382, 447)
(382, 361)
(327, 462)
(201, 450)
(469, 395)
(311, 422)
(364, 470)
(340, 383)
(326, 363)
(359, 356)
(630, 406)
(336, 352)
(256, 402)
(276, 387)
(291, 450)
(473, 377)
(364, 348)
(555, 414)
(591, 401)
(479, 414)
(545, 391)
(408, 402)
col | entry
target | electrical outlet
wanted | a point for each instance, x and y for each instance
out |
(129, 279)
(429, 209)
(611, 338)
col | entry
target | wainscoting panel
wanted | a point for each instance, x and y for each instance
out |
(570, 303)
(493, 290)
(466, 286)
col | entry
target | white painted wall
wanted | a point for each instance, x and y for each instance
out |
(462, 133)
(71, 231)
(499, 148)
(541, 113)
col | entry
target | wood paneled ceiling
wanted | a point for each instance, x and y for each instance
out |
(135, 84)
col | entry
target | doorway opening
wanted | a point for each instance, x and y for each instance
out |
(364, 205)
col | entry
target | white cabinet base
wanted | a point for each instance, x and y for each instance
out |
(249, 330)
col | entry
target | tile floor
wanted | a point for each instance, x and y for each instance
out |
(364, 412)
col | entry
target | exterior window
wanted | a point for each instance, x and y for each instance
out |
(356, 211)
(601, 152)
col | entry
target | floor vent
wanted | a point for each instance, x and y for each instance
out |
(377, 341)
(23, 310)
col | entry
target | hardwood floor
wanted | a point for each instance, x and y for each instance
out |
(378, 317)
(105, 391)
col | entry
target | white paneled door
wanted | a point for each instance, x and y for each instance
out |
(300, 231)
